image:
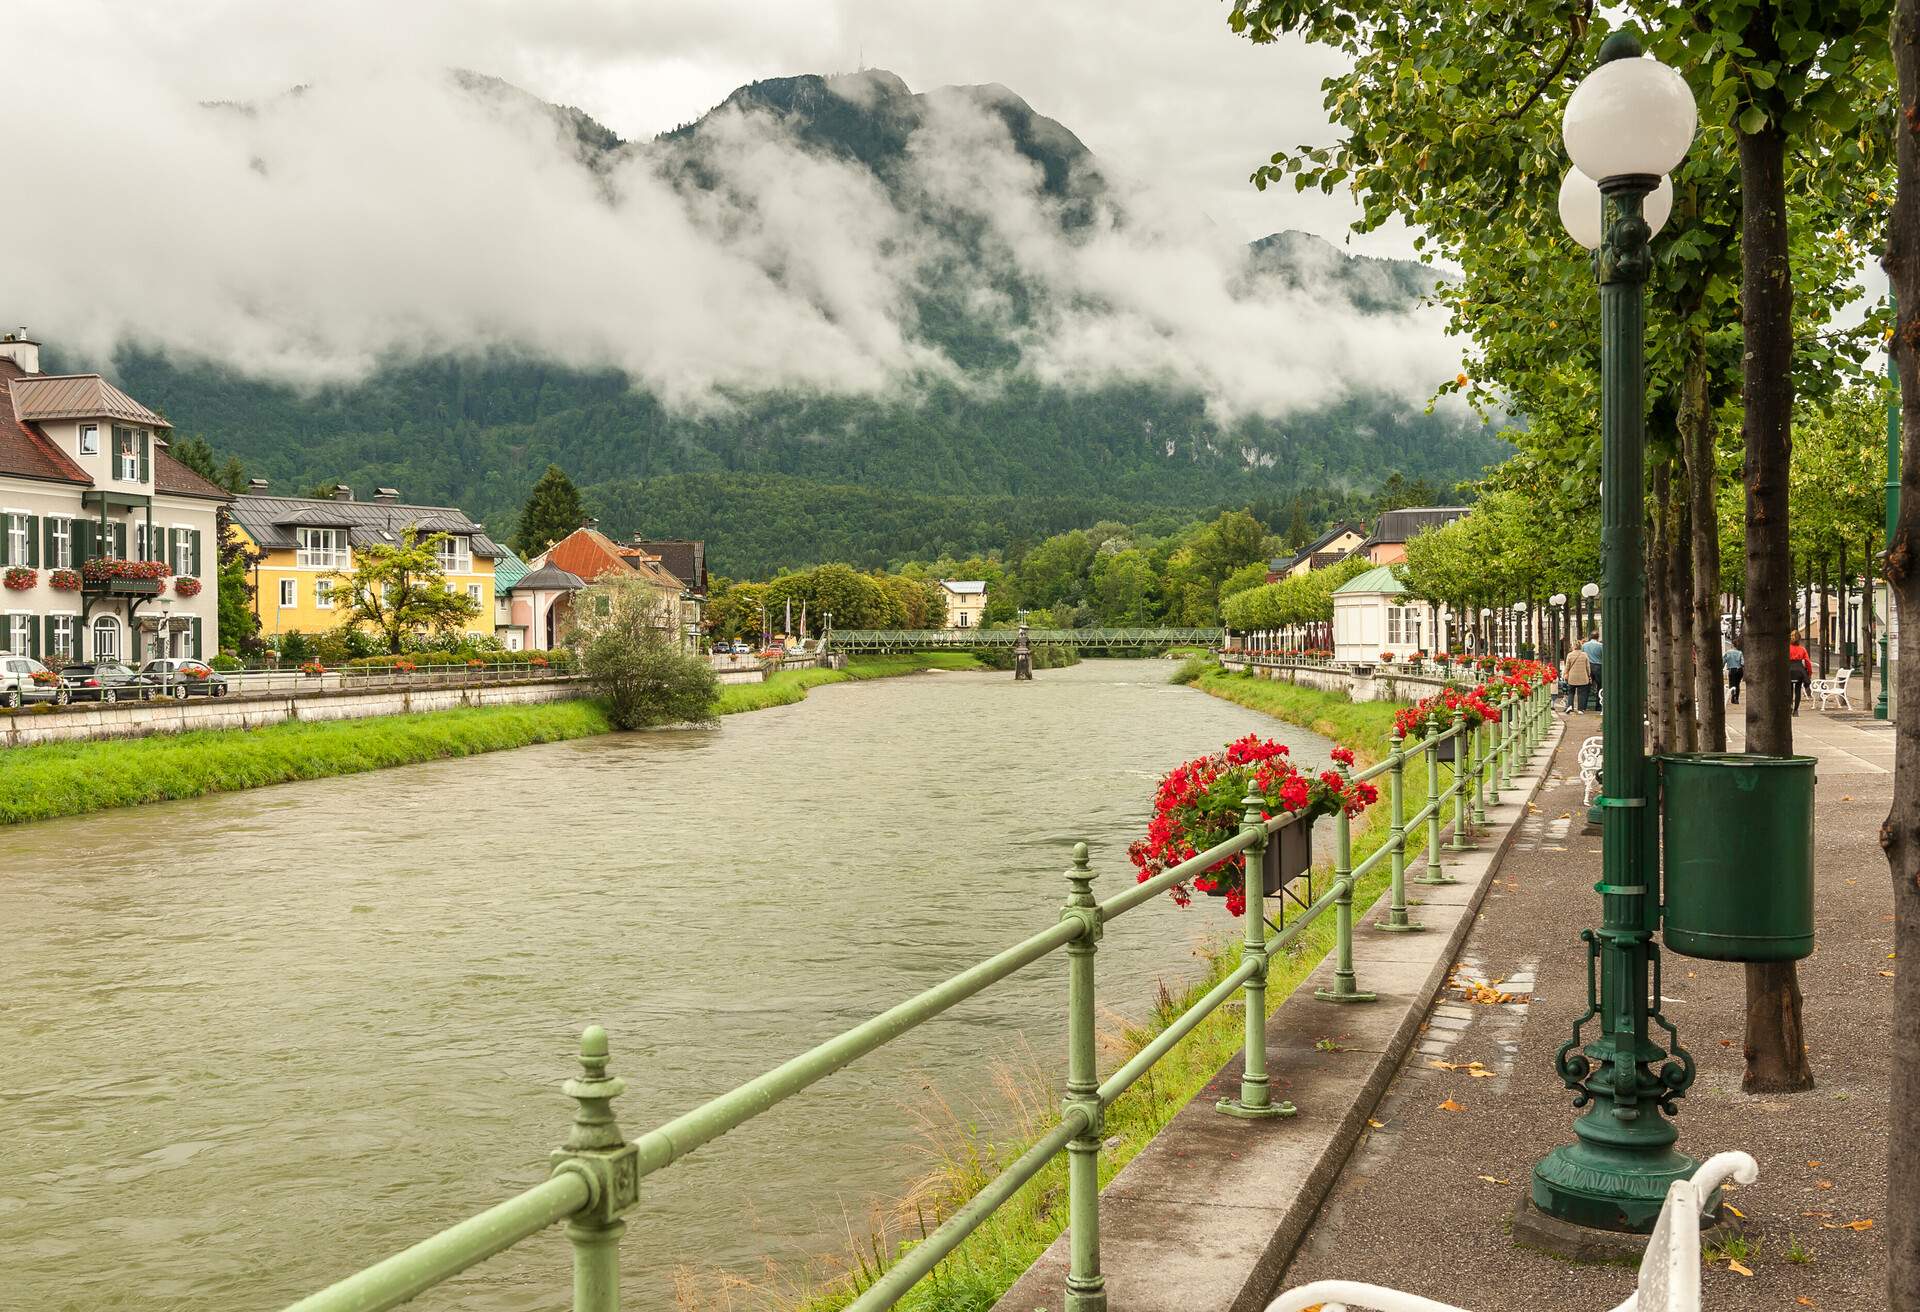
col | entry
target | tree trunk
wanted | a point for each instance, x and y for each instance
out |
(1900, 835)
(1682, 644)
(1775, 1048)
(1826, 617)
(1869, 622)
(1703, 480)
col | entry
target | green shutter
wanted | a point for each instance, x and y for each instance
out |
(33, 639)
(47, 644)
(47, 550)
(119, 540)
(33, 541)
(193, 544)
(6, 540)
(82, 540)
(196, 639)
(145, 472)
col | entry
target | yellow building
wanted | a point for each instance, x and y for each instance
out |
(307, 543)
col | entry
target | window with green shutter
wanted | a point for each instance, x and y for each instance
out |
(33, 541)
(193, 546)
(146, 440)
(197, 654)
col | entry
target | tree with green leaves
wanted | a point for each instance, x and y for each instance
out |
(1451, 122)
(399, 590)
(628, 647)
(553, 510)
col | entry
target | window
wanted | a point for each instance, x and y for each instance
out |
(963, 620)
(127, 454)
(106, 639)
(62, 544)
(323, 548)
(20, 634)
(473, 593)
(61, 642)
(289, 593)
(455, 555)
(323, 594)
(183, 562)
(89, 439)
(1393, 625)
(17, 539)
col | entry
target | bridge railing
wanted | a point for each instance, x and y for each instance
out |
(926, 639)
(597, 1173)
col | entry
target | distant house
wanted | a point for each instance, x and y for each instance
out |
(966, 602)
(1372, 613)
(1387, 545)
(508, 569)
(307, 543)
(1330, 548)
(109, 545)
(540, 602)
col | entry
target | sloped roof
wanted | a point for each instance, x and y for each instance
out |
(1400, 525)
(25, 451)
(171, 476)
(40, 397)
(1317, 547)
(508, 569)
(550, 578)
(684, 558)
(964, 587)
(1379, 579)
(274, 522)
(590, 553)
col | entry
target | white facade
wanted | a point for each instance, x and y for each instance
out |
(1367, 624)
(966, 602)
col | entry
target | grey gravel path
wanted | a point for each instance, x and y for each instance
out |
(1424, 1202)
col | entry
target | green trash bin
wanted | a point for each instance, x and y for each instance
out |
(1737, 837)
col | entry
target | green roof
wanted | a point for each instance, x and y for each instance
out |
(508, 570)
(1380, 578)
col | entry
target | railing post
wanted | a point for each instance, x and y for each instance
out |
(596, 1149)
(1435, 872)
(1256, 1097)
(1463, 781)
(1086, 1287)
(1498, 740)
(1510, 743)
(1397, 921)
(1478, 783)
(1343, 989)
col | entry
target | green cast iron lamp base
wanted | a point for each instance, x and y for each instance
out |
(1607, 1189)
(1408, 927)
(1335, 995)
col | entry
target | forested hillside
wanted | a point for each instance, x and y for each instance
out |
(979, 452)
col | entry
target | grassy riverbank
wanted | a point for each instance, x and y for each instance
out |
(59, 779)
(987, 1264)
(50, 780)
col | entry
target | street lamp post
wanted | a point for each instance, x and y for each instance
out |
(1519, 623)
(1589, 596)
(1562, 641)
(1629, 123)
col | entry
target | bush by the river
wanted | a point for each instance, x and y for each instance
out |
(1195, 667)
(631, 649)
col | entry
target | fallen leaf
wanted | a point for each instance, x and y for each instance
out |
(1439, 1065)
(1852, 882)
(1846, 797)
(1816, 1213)
(1811, 1165)
(1691, 975)
(1451, 1106)
(1737, 1269)
(1479, 1072)
(1823, 1184)
(1861, 1224)
(1804, 1301)
(1887, 974)
(1726, 1043)
(1492, 1179)
(1736, 1211)
(1378, 1125)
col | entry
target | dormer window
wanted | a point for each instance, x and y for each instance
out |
(456, 555)
(89, 439)
(128, 446)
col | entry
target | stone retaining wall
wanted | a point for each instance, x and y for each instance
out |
(137, 720)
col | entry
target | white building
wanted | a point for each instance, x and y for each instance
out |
(966, 602)
(1372, 615)
(109, 547)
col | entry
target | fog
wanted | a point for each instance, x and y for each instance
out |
(370, 207)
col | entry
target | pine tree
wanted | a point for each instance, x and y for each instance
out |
(553, 510)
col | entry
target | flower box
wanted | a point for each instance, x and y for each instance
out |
(1289, 855)
(65, 580)
(187, 587)
(20, 578)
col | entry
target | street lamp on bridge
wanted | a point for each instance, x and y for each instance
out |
(1628, 124)
(1589, 593)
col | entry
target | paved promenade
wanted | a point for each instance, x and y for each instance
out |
(1424, 1201)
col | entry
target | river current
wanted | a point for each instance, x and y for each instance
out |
(254, 1042)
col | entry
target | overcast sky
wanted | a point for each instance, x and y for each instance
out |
(386, 212)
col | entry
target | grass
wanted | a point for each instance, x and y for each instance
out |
(986, 1265)
(61, 779)
(50, 780)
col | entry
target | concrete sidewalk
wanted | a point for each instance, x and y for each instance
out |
(1207, 1217)
(1424, 1203)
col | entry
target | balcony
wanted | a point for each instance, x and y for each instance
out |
(111, 577)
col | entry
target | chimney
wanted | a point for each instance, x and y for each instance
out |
(256, 487)
(590, 522)
(21, 349)
(386, 495)
(341, 492)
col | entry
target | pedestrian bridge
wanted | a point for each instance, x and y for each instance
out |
(969, 639)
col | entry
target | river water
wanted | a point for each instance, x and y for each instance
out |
(251, 1043)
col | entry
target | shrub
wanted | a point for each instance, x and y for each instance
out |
(225, 661)
(1193, 667)
(639, 664)
(295, 648)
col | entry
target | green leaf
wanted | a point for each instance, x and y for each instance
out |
(1753, 119)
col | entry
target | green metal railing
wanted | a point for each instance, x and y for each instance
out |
(940, 639)
(597, 1173)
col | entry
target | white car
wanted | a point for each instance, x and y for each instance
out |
(24, 679)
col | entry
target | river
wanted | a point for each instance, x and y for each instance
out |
(254, 1042)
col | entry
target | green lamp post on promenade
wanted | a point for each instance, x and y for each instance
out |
(1625, 127)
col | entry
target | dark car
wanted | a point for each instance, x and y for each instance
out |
(103, 681)
(171, 676)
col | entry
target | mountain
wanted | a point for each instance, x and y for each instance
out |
(1012, 426)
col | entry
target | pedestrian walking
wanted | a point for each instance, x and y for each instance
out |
(1736, 663)
(1577, 671)
(1591, 647)
(1799, 667)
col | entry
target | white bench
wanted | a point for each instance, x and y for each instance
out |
(1832, 690)
(1590, 754)
(1669, 1273)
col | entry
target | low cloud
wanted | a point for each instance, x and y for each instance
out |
(387, 211)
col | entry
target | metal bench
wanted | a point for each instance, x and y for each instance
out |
(1832, 690)
(1669, 1273)
(1590, 755)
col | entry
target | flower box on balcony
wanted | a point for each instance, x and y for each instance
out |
(136, 578)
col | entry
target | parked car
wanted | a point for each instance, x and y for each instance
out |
(171, 676)
(24, 679)
(103, 681)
